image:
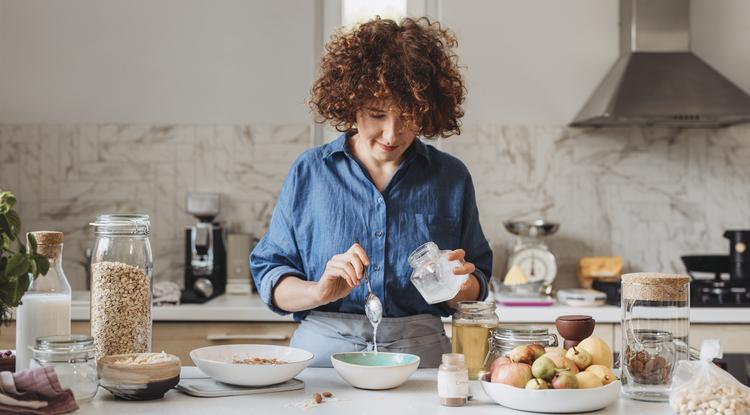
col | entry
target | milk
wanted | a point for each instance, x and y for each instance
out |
(40, 314)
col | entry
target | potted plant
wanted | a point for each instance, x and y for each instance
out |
(17, 263)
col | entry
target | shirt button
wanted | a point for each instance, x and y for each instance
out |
(379, 234)
(376, 267)
(380, 200)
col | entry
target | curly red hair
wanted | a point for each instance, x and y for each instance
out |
(412, 63)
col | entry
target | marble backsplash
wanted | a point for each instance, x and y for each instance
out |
(647, 194)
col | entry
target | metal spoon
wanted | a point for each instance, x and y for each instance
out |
(373, 306)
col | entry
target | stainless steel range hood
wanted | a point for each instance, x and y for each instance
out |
(657, 80)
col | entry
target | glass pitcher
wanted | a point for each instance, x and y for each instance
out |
(433, 273)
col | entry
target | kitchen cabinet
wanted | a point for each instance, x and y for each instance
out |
(179, 338)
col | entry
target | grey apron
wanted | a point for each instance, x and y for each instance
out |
(325, 333)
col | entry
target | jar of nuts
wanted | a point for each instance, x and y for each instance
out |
(121, 268)
(649, 357)
(655, 325)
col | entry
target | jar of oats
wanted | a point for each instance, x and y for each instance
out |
(121, 268)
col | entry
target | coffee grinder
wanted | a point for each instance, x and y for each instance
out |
(205, 255)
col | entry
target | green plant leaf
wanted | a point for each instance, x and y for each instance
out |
(32, 243)
(7, 200)
(42, 264)
(14, 221)
(5, 242)
(5, 226)
(17, 264)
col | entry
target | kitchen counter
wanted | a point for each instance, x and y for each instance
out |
(251, 309)
(417, 395)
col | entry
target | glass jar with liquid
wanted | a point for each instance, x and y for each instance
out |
(471, 328)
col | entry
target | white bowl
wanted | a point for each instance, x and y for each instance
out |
(553, 400)
(370, 370)
(216, 362)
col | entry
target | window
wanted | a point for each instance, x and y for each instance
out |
(356, 11)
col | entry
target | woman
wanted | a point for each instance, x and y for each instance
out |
(382, 84)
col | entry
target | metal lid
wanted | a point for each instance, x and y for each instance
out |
(126, 224)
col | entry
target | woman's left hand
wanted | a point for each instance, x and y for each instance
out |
(470, 288)
(466, 268)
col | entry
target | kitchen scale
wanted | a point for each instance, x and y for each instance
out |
(532, 255)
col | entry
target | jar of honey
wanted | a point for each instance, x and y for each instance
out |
(471, 327)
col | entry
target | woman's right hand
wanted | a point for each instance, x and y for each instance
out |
(342, 273)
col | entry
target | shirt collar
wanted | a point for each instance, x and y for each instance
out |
(339, 146)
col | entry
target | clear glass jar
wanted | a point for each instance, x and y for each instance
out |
(45, 307)
(470, 327)
(72, 357)
(655, 326)
(503, 339)
(121, 270)
(433, 273)
(453, 380)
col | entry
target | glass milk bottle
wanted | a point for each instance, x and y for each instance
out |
(45, 308)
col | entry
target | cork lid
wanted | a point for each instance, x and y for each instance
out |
(48, 242)
(654, 286)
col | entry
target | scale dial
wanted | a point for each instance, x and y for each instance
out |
(538, 263)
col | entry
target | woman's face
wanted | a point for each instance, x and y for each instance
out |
(383, 132)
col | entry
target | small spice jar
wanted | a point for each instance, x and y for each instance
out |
(453, 380)
(503, 339)
(470, 329)
(72, 357)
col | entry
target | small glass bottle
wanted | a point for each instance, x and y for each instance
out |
(470, 329)
(453, 380)
(72, 357)
(45, 307)
(121, 269)
(433, 273)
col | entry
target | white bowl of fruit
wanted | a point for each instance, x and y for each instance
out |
(554, 380)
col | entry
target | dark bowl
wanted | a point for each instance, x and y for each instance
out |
(575, 327)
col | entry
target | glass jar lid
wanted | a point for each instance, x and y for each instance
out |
(64, 348)
(528, 333)
(652, 337)
(122, 224)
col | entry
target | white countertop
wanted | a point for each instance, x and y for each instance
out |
(250, 308)
(417, 396)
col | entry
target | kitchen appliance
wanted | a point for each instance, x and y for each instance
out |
(238, 265)
(530, 252)
(581, 297)
(205, 255)
(657, 80)
(739, 255)
(711, 284)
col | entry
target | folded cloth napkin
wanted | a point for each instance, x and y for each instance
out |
(166, 292)
(36, 392)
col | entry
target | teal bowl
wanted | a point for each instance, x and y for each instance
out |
(375, 371)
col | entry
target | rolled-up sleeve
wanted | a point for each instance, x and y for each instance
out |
(276, 255)
(478, 250)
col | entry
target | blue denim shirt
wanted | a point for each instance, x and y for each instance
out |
(328, 200)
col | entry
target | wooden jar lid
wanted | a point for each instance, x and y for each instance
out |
(654, 286)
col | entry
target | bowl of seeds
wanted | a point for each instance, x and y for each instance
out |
(251, 364)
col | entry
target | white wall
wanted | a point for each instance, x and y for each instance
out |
(720, 32)
(241, 61)
(164, 61)
(532, 61)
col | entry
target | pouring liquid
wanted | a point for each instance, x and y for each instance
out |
(375, 335)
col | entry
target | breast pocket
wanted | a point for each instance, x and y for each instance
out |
(443, 230)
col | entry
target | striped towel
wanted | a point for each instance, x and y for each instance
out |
(34, 391)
